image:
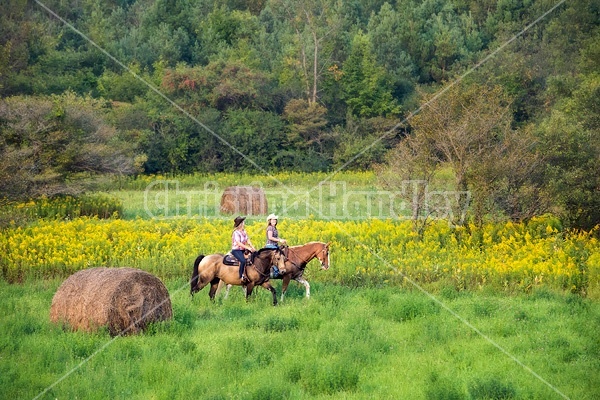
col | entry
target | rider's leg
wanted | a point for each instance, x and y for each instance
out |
(239, 254)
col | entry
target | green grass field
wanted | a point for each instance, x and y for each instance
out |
(347, 344)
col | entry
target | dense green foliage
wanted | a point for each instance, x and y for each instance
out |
(306, 86)
(341, 344)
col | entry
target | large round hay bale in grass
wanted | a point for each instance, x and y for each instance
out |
(123, 299)
(244, 200)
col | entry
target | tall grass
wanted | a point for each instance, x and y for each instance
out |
(278, 179)
(99, 205)
(346, 344)
(350, 195)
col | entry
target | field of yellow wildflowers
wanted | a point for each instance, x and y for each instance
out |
(508, 256)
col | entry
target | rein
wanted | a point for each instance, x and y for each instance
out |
(259, 272)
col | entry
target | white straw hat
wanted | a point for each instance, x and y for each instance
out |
(272, 216)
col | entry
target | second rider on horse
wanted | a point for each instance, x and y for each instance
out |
(274, 241)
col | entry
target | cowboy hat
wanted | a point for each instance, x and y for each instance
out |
(272, 216)
(237, 221)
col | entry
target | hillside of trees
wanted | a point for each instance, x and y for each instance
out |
(184, 86)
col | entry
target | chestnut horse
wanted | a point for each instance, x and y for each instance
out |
(297, 258)
(210, 269)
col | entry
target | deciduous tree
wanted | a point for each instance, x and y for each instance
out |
(48, 146)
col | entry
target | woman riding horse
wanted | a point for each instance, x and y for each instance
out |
(239, 243)
(273, 239)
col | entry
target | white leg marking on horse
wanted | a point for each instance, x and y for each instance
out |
(306, 285)
(227, 291)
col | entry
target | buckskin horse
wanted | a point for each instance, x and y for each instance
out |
(210, 269)
(295, 263)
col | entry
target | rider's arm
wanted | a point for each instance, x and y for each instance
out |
(247, 246)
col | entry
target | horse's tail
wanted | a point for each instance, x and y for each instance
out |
(194, 280)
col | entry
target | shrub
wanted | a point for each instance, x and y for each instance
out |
(442, 389)
(492, 388)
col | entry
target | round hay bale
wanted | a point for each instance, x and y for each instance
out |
(244, 200)
(123, 299)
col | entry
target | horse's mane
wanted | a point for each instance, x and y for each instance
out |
(306, 244)
(265, 249)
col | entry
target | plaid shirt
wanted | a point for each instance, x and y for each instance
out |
(239, 236)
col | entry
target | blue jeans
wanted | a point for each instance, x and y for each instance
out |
(239, 254)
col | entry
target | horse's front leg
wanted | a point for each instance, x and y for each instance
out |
(268, 286)
(284, 285)
(249, 288)
(306, 285)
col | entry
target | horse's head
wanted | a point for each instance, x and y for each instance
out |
(279, 257)
(323, 256)
(285, 249)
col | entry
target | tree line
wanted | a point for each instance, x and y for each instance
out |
(307, 85)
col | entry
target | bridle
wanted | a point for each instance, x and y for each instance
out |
(323, 250)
